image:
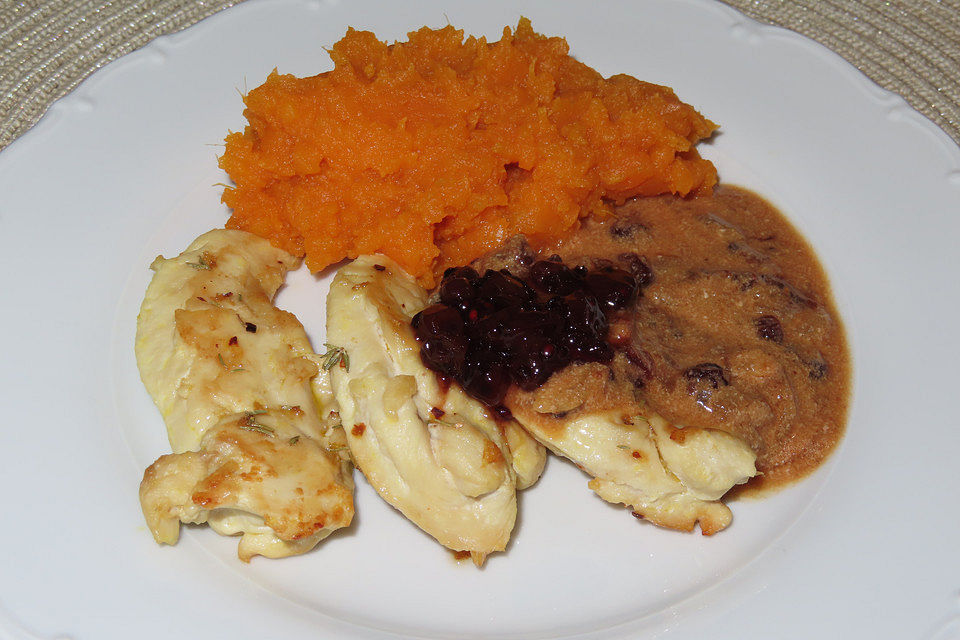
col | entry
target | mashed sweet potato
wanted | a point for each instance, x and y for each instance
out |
(435, 150)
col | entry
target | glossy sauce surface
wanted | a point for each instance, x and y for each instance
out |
(736, 329)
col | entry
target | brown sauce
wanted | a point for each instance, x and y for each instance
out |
(737, 330)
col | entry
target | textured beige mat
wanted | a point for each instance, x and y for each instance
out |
(49, 46)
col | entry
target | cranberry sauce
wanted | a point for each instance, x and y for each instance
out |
(491, 331)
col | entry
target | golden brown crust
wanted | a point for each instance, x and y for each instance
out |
(291, 483)
(232, 375)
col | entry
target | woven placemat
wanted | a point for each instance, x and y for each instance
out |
(911, 47)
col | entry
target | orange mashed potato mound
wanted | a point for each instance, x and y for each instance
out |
(436, 150)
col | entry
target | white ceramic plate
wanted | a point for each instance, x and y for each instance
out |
(124, 169)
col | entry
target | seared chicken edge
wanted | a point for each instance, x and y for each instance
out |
(254, 452)
(434, 453)
(670, 476)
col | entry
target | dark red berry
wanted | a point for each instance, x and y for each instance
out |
(554, 278)
(639, 268)
(707, 372)
(613, 288)
(769, 328)
(493, 331)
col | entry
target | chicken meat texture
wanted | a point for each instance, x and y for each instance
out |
(232, 375)
(429, 450)
(672, 476)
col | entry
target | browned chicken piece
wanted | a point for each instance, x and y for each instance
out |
(254, 453)
(428, 449)
(672, 476)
